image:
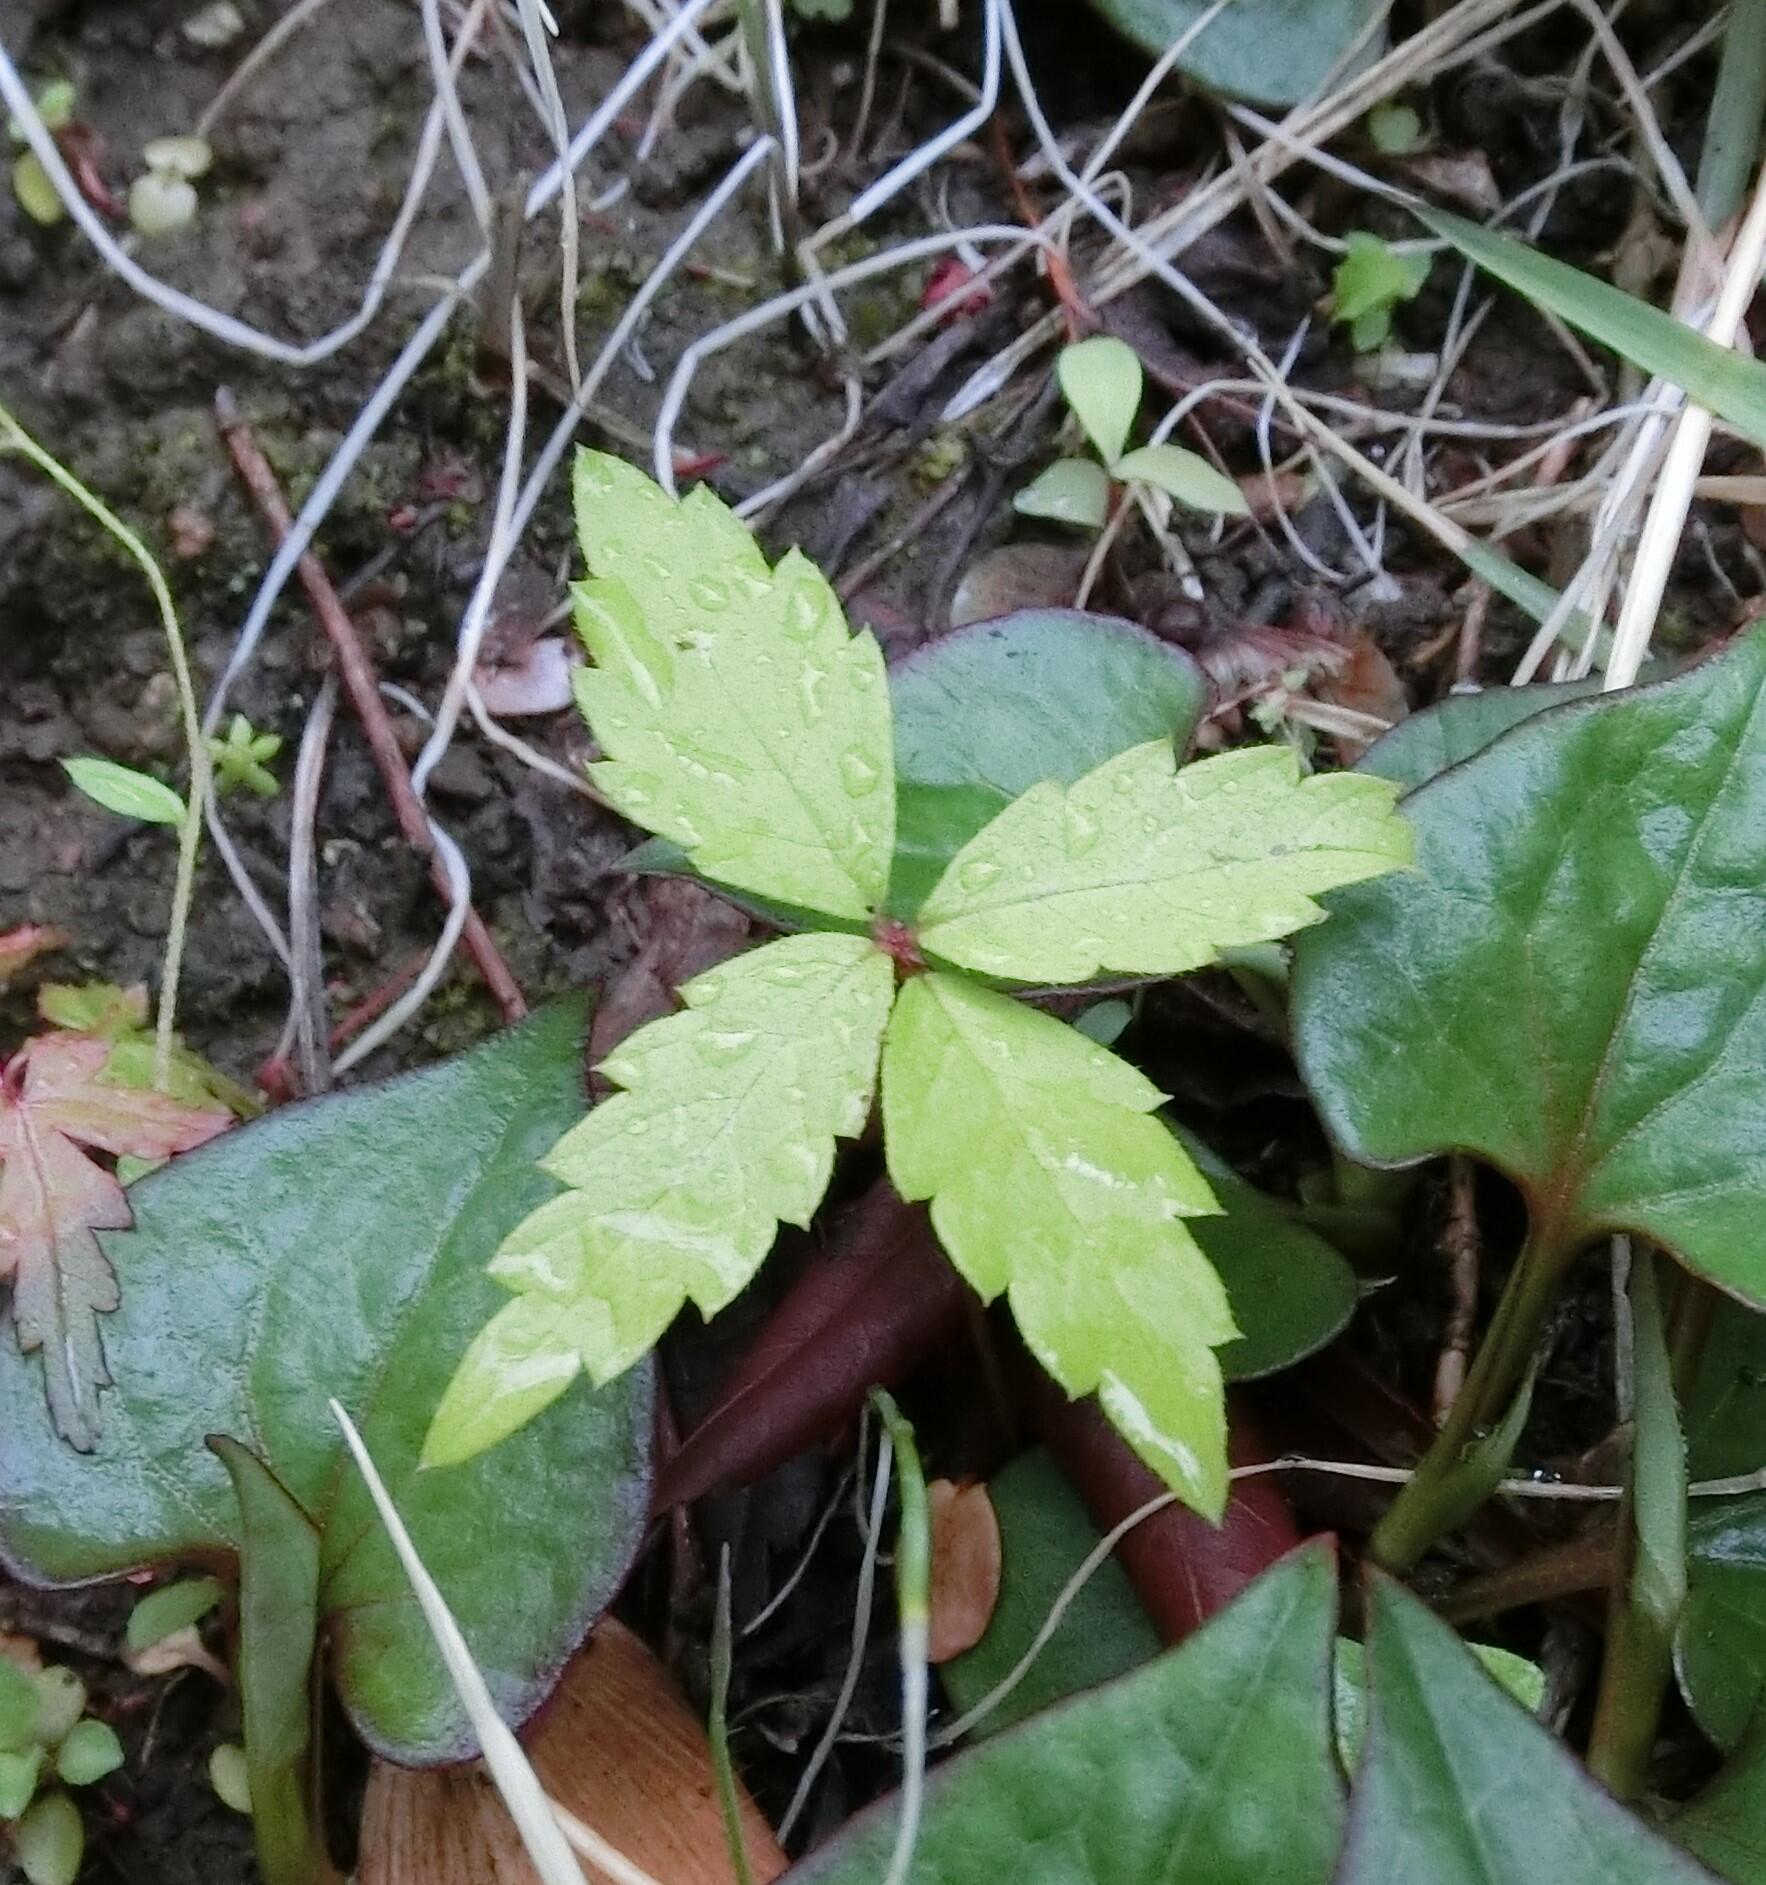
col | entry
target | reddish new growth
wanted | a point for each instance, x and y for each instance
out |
(900, 944)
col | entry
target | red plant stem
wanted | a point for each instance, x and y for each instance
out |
(363, 688)
(1183, 1569)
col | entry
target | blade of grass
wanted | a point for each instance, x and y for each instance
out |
(1731, 386)
(913, 1585)
(719, 1726)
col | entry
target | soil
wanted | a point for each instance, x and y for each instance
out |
(311, 162)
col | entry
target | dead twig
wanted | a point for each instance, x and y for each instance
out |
(361, 684)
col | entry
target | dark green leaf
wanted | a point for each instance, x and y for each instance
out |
(1461, 725)
(1213, 1763)
(171, 1608)
(1720, 1650)
(278, 1635)
(1725, 1826)
(338, 1248)
(984, 713)
(1731, 384)
(1459, 1785)
(1045, 1534)
(1291, 1292)
(1275, 52)
(1569, 983)
(662, 857)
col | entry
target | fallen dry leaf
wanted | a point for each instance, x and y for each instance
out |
(54, 1198)
(965, 1567)
(617, 1747)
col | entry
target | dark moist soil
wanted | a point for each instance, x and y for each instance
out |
(311, 163)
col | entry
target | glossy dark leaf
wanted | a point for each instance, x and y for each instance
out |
(1569, 982)
(1725, 1825)
(338, 1248)
(1461, 725)
(864, 1314)
(1212, 1763)
(984, 713)
(1045, 1534)
(1276, 52)
(1459, 1785)
(1291, 1291)
(1720, 1648)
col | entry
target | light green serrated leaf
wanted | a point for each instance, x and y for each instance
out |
(726, 1127)
(1049, 1179)
(123, 790)
(737, 713)
(1141, 868)
(1101, 379)
(1186, 476)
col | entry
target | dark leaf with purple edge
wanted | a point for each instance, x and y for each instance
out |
(338, 1248)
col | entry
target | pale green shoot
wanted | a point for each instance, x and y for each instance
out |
(1102, 382)
(738, 715)
(1370, 281)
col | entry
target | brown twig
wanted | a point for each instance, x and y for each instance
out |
(1459, 1245)
(362, 686)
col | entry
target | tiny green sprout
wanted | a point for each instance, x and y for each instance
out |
(48, 1742)
(1369, 283)
(242, 760)
(163, 201)
(1394, 130)
(36, 195)
(1102, 382)
(123, 790)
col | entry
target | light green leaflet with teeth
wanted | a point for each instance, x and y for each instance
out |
(738, 716)
(725, 1127)
(1144, 867)
(1050, 1179)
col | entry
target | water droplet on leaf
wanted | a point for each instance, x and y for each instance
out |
(858, 774)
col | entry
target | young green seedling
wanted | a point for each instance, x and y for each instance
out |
(48, 1743)
(163, 199)
(740, 718)
(36, 195)
(1369, 282)
(1102, 382)
(242, 759)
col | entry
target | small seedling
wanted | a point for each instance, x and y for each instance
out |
(163, 199)
(36, 195)
(1394, 130)
(1370, 281)
(1103, 382)
(48, 1743)
(123, 790)
(740, 718)
(242, 759)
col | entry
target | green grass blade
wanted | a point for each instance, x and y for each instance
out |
(1731, 385)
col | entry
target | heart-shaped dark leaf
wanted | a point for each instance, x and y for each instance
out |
(1720, 1646)
(984, 713)
(1572, 981)
(1212, 1762)
(1291, 1291)
(1461, 725)
(1275, 52)
(338, 1248)
(1459, 1785)
(1045, 1534)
